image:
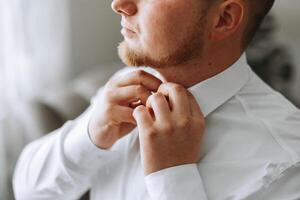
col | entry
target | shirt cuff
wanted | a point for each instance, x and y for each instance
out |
(80, 150)
(176, 183)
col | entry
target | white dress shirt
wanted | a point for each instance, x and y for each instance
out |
(251, 152)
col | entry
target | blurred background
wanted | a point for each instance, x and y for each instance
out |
(55, 54)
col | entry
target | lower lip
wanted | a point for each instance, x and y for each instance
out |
(127, 33)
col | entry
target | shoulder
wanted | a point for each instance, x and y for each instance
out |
(278, 115)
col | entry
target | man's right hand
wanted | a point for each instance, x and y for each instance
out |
(112, 118)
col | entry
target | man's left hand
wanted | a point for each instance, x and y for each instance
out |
(171, 127)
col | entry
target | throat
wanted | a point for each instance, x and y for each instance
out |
(192, 73)
(188, 75)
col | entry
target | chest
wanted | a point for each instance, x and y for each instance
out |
(123, 178)
(232, 158)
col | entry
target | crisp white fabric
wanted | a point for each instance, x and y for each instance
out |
(251, 151)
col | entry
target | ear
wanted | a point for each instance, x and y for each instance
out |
(228, 19)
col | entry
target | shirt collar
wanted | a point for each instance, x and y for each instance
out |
(215, 91)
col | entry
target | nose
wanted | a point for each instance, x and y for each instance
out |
(124, 7)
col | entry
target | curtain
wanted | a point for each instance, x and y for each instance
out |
(34, 46)
(34, 54)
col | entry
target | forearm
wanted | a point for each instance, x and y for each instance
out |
(59, 165)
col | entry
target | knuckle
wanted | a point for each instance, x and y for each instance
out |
(178, 88)
(157, 96)
(167, 127)
(183, 122)
(151, 98)
(151, 133)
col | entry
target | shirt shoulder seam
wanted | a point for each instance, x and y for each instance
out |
(276, 137)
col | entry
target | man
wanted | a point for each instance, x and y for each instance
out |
(197, 125)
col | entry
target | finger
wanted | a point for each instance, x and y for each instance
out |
(136, 104)
(138, 77)
(142, 117)
(129, 94)
(160, 107)
(178, 98)
(124, 114)
(195, 108)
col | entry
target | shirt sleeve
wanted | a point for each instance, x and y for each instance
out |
(60, 165)
(176, 183)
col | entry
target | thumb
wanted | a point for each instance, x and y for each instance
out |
(142, 117)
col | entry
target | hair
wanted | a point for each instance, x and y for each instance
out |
(257, 10)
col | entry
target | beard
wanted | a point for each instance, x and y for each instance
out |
(190, 47)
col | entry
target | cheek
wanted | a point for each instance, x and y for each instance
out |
(162, 26)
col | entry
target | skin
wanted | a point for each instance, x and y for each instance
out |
(186, 45)
(114, 119)
(161, 47)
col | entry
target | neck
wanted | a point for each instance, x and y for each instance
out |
(198, 70)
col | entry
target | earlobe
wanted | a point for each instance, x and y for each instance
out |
(228, 19)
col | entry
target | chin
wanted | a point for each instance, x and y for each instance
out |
(135, 58)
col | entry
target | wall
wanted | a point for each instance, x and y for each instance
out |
(288, 15)
(95, 33)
